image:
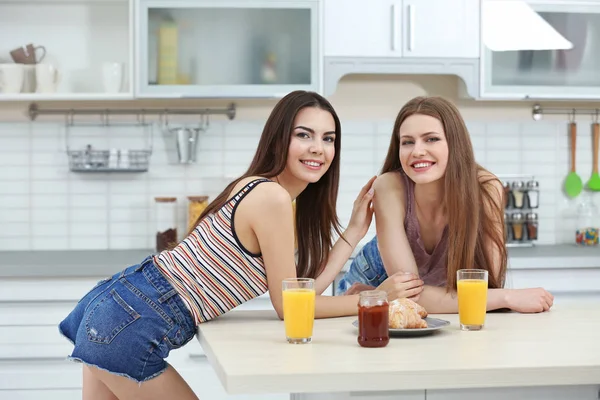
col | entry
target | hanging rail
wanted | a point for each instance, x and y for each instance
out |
(34, 111)
(538, 111)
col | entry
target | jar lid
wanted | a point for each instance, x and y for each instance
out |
(531, 217)
(517, 217)
(199, 199)
(517, 185)
(533, 184)
(506, 184)
(165, 199)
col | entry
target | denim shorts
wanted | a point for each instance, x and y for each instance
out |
(127, 324)
(367, 267)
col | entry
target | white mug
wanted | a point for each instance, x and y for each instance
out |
(11, 78)
(112, 76)
(46, 77)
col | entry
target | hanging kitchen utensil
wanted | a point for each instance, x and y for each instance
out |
(573, 184)
(594, 182)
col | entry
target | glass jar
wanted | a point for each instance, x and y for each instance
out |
(166, 222)
(533, 194)
(586, 231)
(507, 230)
(196, 205)
(517, 227)
(531, 220)
(518, 194)
(373, 319)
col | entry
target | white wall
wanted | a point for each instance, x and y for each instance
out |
(44, 206)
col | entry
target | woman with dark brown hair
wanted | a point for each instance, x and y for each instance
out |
(436, 211)
(241, 246)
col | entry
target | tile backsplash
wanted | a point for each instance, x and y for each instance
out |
(45, 206)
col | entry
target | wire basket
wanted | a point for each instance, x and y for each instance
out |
(109, 161)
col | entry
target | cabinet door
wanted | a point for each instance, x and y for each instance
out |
(531, 57)
(227, 48)
(357, 28)
(441, 28)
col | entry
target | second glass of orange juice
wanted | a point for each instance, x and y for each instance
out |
(472, 287)
(298, 309)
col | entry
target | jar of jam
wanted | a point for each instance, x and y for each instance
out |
(373, 319)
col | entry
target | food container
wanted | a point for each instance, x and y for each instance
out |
(196, 205)
(166, 222)
(373, 319)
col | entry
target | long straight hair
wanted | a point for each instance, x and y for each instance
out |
(470, 227)
(316, 217)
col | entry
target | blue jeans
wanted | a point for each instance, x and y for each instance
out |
(127, 324)
(367, 267)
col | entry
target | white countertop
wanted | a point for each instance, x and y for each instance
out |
(249, 353)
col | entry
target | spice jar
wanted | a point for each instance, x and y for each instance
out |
(507, 231)
(373, 319)
(517, 226)
(166, 222)
(507, 195)
(533, 194)
(532, 226)
(518, 194)
(586, 231)
(196, 204)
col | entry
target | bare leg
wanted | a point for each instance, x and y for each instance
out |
(93, 388)
(169, 384)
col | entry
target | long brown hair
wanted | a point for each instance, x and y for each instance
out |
(316, 216)
(474, 217)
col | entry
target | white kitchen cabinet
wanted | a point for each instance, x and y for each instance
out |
(355, 28)
(402, 28)
(583, 392)
(84, 46)
(440, 28)
(544, 70)
(227, 48)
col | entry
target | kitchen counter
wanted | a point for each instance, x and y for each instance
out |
(68, 263)
(95, 263)
(249, 353)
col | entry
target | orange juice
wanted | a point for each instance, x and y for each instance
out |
(298, 312)
(472, 301)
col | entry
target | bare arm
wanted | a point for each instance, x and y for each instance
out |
(389, 205)
(273, 226)
(362, 215)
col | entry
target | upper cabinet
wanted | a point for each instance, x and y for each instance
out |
(402, 28)
(76, 50)
(550, 50)
(226, 48)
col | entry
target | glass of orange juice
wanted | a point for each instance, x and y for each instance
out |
(472, 287)
(298, 309)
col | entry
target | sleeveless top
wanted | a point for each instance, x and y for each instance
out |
(432, 267)
(211, 269)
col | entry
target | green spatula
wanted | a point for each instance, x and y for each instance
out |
(573, 183)
(594, 182)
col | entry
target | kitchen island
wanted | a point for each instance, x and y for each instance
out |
(553, 355)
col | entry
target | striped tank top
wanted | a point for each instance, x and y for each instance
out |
(211, 269)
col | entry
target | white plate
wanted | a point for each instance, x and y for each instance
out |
(433, 324)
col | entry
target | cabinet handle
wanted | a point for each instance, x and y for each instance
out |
(411, 27)
(394, 24)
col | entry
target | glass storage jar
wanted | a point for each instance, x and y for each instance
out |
(533, 194)
(517, 225)
(518, 194)
(586, 231)
(166, 222)
(196, 205)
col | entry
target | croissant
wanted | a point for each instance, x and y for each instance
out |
(406, 314)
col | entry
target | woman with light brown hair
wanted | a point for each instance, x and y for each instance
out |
(436, 211)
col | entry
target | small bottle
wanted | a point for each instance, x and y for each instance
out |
(586, 232)
(166, 222)
(373, 319)
(507, 196)
(517, 227)
(532, 226)
(533, 194)
(518, 194)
